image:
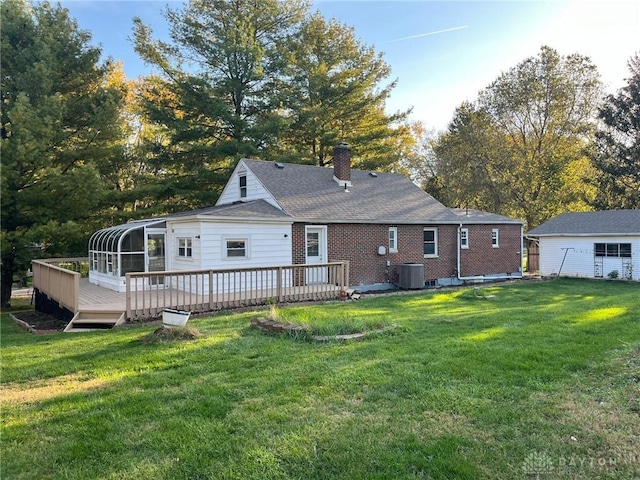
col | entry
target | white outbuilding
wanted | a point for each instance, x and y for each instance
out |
(603, 244)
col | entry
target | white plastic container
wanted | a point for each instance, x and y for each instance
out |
(175, 318)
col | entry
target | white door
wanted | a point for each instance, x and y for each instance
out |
(316, 253)
(156, 256)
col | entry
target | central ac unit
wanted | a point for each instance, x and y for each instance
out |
(411, 275)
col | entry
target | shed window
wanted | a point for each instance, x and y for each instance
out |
(430, 241)
(495, 238)
(185, 247)
(612, 250)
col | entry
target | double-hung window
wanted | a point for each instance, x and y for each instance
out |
(185, 248)
(495, 238)
(464, 238)
(242, 180)
(236, 248)
(430, 242)
(393, 239)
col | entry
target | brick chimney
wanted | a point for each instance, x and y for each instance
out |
(342, 164)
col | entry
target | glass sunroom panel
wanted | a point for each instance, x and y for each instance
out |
(132, 262)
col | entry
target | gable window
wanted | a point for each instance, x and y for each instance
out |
(464, 238)
(236, 248)
(185, 248)
(430, 241)
(612, 250)
(495, 238)
(393, 239)
(242, 179)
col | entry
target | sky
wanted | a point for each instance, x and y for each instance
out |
(441, 53)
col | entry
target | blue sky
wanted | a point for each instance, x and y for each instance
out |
(442, 53)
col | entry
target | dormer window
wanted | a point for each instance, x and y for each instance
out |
(242, 179)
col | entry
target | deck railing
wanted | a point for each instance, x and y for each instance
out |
(52, 278)
(147, 294)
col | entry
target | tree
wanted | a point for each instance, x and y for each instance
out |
(616, 149)
(59, 123)
(519, 150)
(215, 98)
(334, 92)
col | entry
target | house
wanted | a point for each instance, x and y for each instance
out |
(590, 244)
(283, 214)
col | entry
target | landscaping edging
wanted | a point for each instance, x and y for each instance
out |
(274, 327)
(29, 328)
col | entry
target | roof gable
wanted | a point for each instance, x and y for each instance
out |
(605, 222)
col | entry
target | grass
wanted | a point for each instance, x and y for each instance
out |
(474, 387)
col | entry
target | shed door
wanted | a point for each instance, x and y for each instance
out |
(316, 253)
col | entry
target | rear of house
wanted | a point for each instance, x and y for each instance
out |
(604, 244)
(379, 222)
(274, 214)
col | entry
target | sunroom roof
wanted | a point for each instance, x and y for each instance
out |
(107, 239)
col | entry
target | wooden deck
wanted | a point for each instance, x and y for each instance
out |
(95, 298)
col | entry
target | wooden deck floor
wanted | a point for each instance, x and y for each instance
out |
(95, 298)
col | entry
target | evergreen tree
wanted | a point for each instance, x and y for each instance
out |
(336, 93)
(215, 99)
(59, 124)
(616, 150)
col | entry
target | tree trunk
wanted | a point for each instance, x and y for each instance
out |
(6, 280)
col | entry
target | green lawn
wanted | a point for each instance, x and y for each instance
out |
(543, 378)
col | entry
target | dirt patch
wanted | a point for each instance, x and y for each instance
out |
(165, 334)
(40, 322)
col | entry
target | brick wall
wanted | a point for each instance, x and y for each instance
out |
(482, 259)
(358, 243)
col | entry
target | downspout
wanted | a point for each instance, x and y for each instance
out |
(461, 278)
(484, 277)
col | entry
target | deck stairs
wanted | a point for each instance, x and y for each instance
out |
(89, 320)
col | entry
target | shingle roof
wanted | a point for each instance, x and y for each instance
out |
(253, 209)
(468, 215)
(607, 222)
(310, 193)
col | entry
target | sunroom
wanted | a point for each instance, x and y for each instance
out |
(137, 246)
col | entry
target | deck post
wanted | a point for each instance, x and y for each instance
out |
(210, 289)
(279, 285)
(128, 294)
(76, 293)
(345, 274)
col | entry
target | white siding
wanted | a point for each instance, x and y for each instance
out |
(269, 244)
(580, 260)
(184, 230)
(255, 189)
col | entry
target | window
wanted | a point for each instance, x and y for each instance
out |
(464, 238)
(430, 238)
(393, 239)
(495, 238)
(237, 248)
(185, 248)
(243, 186)
(612, 250)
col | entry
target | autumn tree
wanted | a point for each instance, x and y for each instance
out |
(519, 149)
(59, 124)
(616, 149)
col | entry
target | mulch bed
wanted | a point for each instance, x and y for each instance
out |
(37, 322)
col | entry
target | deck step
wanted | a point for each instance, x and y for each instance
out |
(87, 320)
